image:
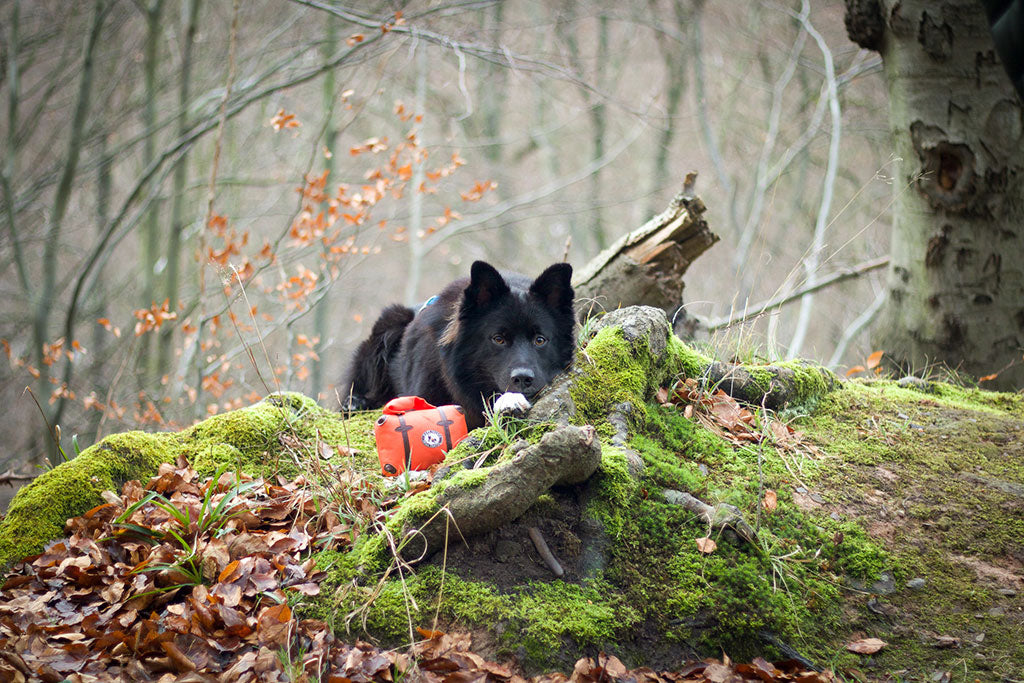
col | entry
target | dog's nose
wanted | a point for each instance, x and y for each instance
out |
(522, 380)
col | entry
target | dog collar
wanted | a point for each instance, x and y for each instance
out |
(429, 302)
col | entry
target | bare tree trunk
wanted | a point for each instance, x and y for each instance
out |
(97, 293)
(599, 123)
(321, 314)
(11, 157)
(675, 75)
(174, 245)
(150, 246)
(494, 94)
(956, 283)
(540, 135)
(597, 110)
(44, 300)
(416, 246)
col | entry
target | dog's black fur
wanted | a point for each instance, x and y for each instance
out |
(479, 338)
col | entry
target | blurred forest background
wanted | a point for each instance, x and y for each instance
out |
(206, 200)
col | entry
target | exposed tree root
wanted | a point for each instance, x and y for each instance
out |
(774, 386)
(545, 552)
(568, 455)
(718, 516)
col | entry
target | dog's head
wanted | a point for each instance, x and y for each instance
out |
(510, 333)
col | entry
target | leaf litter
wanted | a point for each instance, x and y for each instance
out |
(182, 580)
(721, 414)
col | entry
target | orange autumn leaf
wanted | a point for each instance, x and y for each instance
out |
(874, 359)
(855, 369)
(105, 323)
(282, 120)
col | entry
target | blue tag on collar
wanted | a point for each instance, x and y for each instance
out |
(429, 302)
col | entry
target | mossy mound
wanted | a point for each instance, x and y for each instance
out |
(889, 484)
(937, 478)
(827, 568)
(265, 438)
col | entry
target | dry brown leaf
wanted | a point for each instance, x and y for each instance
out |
(706, 545)
(866, 646)
(770, 501)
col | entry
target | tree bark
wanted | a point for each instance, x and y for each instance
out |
(956, 283)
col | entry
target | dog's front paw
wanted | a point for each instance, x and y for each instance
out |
(511, 403)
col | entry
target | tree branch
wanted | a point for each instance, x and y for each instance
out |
(775, 302)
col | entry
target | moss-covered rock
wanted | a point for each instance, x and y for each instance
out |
(39, 510)
(260, 439)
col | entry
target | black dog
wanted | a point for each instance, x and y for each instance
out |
(479, 338)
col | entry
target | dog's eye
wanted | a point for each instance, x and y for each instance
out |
(540, 340)
(498, 339)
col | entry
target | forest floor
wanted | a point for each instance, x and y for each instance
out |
(890, 521)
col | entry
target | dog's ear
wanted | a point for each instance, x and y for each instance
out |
(486, 285)
(554, 286)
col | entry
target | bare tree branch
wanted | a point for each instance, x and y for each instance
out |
(775, 302)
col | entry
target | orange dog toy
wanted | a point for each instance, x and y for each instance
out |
(413, 435)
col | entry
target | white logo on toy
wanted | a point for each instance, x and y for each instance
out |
(431, 438)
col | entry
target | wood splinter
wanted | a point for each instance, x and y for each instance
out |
(545, 552)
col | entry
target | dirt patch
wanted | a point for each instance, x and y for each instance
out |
(507, 558)
(882, 530)
(1010, 575)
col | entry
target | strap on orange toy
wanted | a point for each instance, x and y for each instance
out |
(413, 434)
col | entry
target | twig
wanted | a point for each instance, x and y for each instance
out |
(775, 302)
(856, 327)
(545, 552)
(49, 430)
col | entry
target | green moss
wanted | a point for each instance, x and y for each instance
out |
(467, 479)
(608, 373)
(545, 615)
(856, 555)
(537, 618)
(808, 382)
(684, 360)
(615, 487)
(39, 510)
(250, 439)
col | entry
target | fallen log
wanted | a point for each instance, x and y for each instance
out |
(646, 266)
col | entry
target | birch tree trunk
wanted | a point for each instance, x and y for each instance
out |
(956, 283)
